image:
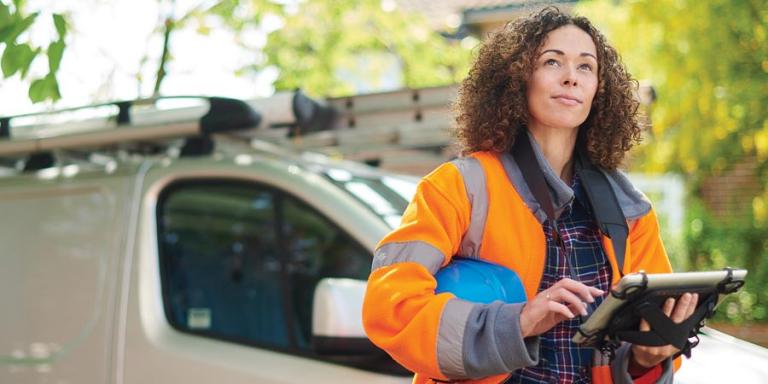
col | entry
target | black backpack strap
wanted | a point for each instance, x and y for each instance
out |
(605, 205)
(537, 183)
(532, 173)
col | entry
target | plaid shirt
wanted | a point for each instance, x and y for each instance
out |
(561, 361)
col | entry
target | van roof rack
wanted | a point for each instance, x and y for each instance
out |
(289, 115)
(222, 115)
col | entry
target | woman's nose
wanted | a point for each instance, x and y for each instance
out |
(569, 77)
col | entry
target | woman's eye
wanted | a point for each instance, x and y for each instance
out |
(551, 62)
(585, 67)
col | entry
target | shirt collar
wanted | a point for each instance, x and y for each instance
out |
(562, 194)
(633, 203)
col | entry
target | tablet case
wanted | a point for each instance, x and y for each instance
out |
(641, 295)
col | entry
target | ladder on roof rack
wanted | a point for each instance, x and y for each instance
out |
(398, 128)
(402, 119)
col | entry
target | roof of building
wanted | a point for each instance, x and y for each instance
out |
(448, 14)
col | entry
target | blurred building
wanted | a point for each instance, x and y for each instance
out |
(730, 195)
(461, 18)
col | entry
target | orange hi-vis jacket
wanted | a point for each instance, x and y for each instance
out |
(479, 205)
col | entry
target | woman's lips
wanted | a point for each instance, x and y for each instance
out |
(567, 100)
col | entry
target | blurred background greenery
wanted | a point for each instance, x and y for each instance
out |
(706, 62)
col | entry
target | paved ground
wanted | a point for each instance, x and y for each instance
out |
(754, 333)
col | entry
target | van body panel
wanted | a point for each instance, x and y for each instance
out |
(62, 239)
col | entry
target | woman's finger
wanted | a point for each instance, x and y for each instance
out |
(644, 326)
(678, 315)
(572, 301)
(561, 309)
(692, 306)
(580, 308)
(669, 304)
(596, 292)
(586, 293)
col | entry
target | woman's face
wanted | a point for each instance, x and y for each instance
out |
(564, 80)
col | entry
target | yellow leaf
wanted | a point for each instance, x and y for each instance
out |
(759, 209)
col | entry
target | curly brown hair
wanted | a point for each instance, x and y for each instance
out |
(491, 108)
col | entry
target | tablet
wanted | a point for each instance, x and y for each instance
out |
(615, 314)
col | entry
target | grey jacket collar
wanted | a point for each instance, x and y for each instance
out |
(633, 203)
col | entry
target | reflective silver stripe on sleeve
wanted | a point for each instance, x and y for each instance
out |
(450, 338)
(414, 251)
(474, 183)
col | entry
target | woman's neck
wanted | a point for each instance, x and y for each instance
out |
(557, 146)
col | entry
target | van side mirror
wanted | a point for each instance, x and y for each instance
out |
(337, 324)
(337, 327)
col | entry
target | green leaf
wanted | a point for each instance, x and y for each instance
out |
(55, 52)
(5, 33)
(20, 26)
(37, 90)
(9, 62)
(25, 55)
(5, 17)
(53, 87)
(223, 8)
(61, 25)
(18, 58)
(43, 89)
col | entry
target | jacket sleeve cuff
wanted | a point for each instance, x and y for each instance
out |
(520, 352)
(620, 367)
(494, 343)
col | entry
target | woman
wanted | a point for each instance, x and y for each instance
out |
(549, 80)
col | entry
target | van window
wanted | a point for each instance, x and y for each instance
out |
(387, 196)
(240, 261)
(316, 248)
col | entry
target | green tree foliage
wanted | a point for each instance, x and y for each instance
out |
(323, 41)
(237, 15)
(715, 244)
(19, 52)
(708, 61)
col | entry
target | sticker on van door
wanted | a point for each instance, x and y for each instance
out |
(199, 318)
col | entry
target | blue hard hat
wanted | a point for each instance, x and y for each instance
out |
(480, 281)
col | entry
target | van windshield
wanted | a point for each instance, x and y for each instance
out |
(387, 196)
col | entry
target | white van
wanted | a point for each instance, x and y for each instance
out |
(132, 256)
(123, 266)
